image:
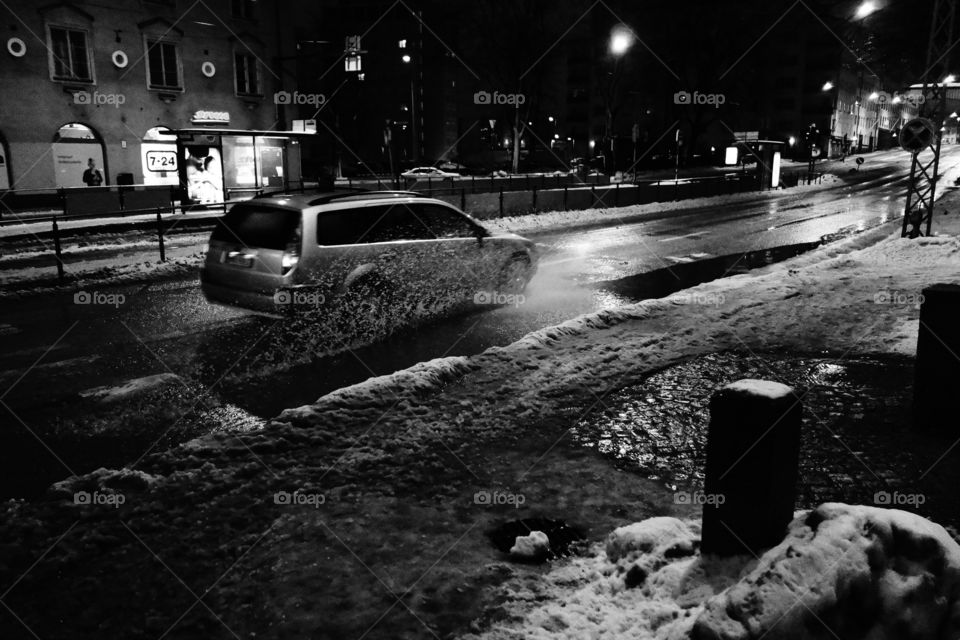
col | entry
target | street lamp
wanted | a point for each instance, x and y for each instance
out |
(827, 86)
(865, 9)
(950, 79)
(621, 39)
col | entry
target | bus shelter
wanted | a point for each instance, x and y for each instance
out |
(219, 165)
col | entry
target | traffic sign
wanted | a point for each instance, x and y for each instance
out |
(815, 152)
(917, 135)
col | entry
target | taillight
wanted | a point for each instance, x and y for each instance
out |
(291, 253)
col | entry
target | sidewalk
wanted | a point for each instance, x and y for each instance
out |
(381, 478)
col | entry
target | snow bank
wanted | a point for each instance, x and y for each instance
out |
(118, 480)
(861, 572)
(842, 571)
(420, 378)
(761, 388)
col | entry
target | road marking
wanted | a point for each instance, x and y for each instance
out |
(689, 235)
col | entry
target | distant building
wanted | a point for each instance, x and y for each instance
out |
(109, 80)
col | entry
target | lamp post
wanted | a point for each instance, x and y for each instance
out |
(621, 40)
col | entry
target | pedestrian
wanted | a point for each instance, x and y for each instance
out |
(92, 176)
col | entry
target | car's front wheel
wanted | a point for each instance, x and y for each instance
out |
(514, 276)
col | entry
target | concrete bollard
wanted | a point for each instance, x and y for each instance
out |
(937, 374)
(752, 457)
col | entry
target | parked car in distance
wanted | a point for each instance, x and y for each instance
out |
(378, 244)
(422, 173)
(452, 167)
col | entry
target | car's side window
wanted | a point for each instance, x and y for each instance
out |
(396, 222)
(389, 223)
(442, 222)
(348, 226)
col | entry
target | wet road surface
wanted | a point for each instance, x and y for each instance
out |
(53, 349)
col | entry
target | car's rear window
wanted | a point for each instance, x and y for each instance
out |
(260, 227)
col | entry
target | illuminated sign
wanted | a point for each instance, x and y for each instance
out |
(204, 116)
(160, 160)
(775, 171)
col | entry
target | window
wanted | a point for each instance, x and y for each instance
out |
(163, 67)
(440, 222)
(243, 9)
(247, 75)
(251, 226)
(380, 223)
(70, 56)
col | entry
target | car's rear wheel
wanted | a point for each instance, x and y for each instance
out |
(514, 276)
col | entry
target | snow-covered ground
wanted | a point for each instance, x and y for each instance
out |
(396, 459)
(841, 571)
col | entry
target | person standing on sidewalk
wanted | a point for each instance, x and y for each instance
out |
(92, 176)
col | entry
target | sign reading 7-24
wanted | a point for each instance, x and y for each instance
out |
(161, 160)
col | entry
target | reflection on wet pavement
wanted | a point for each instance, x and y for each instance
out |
(856, 422)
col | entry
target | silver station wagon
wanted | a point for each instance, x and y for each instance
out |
(387, 245)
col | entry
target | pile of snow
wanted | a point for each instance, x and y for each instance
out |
(531, 547)
(114, 480)
(843, 571)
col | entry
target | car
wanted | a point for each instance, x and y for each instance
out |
(269, 252)
(423, 173)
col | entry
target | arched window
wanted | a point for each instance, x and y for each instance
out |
(77, 148)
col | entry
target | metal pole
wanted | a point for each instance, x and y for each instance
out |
(57, 252)
(163, 253)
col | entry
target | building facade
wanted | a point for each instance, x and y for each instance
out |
(106, 83)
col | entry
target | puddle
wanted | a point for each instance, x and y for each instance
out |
(668, 280)
(856, 421)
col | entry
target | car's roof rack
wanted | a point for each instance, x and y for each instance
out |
(362, 195)
(344, 193)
